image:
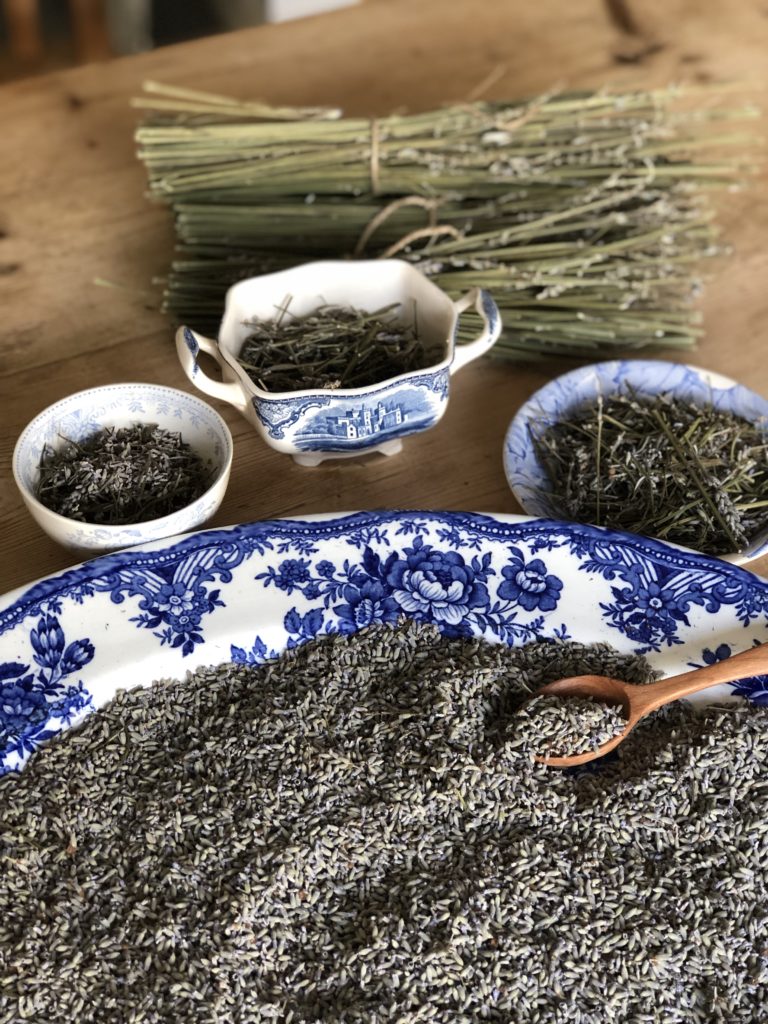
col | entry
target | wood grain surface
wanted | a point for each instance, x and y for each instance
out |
(73, 209)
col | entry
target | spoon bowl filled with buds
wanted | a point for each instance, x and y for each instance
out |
(123, 464)
(581, 718)
(338, 358)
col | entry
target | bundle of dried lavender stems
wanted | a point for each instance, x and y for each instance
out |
(584, 213)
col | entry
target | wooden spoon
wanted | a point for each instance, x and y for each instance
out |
(638, 701)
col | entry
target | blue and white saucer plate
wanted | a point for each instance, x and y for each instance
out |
(69, 642)
(578, 390)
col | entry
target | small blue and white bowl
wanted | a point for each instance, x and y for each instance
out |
(313, 425)
(122, 405)
(578, 390)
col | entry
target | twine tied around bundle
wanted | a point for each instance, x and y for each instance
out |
(434, 229)
(374, 157)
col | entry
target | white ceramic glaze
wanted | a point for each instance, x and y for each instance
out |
(324, 423)
(120, 405)
(578, 390)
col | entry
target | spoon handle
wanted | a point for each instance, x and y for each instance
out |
(751, 662)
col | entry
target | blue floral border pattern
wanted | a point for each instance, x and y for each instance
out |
(436, 381)
(37, 704)
(467, 574)
(656, 587)
(421, 581)
(752, 688)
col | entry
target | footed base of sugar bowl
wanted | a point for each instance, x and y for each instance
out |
(315, 458)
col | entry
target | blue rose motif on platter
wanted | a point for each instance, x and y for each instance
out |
(529, 584)
(438, 586)
(365, 605)
(649, 611)
(176, 604)
(20, 706)
(428, 582)
(179, 606)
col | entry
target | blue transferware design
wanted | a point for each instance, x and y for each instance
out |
(35, 704)
(190, 342)
(248, 592)
(377, 416)
(280, 414)
(579, 390)
(355, 420)
(490, 312)
(754, 688)
(320, 423)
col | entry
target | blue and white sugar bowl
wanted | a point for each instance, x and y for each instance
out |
(313, 425)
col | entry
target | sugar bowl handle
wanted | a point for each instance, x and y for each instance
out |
(189, 344)
(489, 311)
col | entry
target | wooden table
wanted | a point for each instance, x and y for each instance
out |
(72, 209)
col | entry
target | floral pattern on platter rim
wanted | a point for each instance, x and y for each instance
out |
(579, 389)
(67, 643)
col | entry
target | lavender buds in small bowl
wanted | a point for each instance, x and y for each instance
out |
(123, 464)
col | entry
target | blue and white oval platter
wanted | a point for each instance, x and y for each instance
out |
(67, 643)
